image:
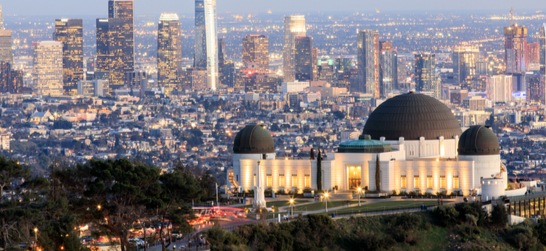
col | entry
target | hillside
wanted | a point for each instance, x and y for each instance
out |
(463, 227)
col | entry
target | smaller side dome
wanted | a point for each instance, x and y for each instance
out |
(478, 140)
(253, 139)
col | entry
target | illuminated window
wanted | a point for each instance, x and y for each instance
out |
(294, 180)
(269, 181)
(282, 180)
(416, 182)
(456, 182)
(403, 181)
(430, 182)
(443, 182)
(307, 181)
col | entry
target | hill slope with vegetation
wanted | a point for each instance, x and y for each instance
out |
(462, 227)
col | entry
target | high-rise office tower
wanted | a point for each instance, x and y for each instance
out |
(368, 62)
(11, 81)
(6, 53)
(515, 43)
(465, 58)
(542, 42)
(303, 58)
(425, 77)
(256, 53)
(388, 68)
(294, 26)
(212, 44)
(169, 51)
(200, 56)
(48, 68)
(115, 42)
(70, 33)
(102, 63)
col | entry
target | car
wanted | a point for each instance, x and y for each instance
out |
(137, 242)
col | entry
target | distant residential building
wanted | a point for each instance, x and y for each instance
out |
(532, 56)
(48, 68)
(70, 33)
(475, 103)
(368, 62)
(294, 26)
(303, 58)
(499, 88)
(169, 52)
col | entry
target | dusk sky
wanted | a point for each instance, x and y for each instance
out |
(99, 7)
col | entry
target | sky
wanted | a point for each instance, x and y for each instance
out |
(71, 8)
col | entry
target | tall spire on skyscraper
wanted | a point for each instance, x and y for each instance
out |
(1, 18)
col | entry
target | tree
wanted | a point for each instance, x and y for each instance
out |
(112, 194)
(499, 216)
(377, 175)
(11, 172)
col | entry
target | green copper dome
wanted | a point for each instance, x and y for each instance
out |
(253, 139)
(364, 145)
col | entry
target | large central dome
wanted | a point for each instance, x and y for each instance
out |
(412, 116)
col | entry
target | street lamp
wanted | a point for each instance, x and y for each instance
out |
(35, 238)
(326, 195)
(291, 202)
(359, 191)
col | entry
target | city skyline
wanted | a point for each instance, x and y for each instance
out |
(146, 7)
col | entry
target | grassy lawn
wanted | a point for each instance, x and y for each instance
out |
(386, 205)
(321, 205)
(279, 203)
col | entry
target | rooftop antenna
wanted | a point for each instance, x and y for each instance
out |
(512, 22)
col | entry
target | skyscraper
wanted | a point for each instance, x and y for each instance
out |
(11, 81)
(169, 51)
(200, 56)
(542, 42)
(368, 62)
(102, 64)
(532, 57)
(256, 53)
(70, 33)
(465, 58)
(6, 53)
(388, 68)
(425, 77)
(515, 43)
(48, 68)
(303, 58)
(212, 44)
(294, 26)
(115, 42)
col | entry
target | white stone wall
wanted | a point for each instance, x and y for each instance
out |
(486, 166)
